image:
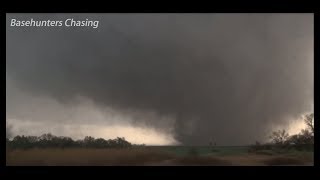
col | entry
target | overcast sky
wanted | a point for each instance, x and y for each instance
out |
(160, 78)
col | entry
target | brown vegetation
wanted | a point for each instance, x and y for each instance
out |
(274, 161)
(80, 157)
(139, 156)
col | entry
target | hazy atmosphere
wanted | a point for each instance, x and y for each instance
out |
(161, 79)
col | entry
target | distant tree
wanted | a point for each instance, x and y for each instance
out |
(21, 142)
(47, 137)
(49, 140)
(88, 141)
(301, 141)
(295, 140)
(279, 137)
(306, 136)
(309, 120)
(101, 143)
(122, 142)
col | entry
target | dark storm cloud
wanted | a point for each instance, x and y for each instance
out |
(222, 76)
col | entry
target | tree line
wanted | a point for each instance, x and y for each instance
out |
(281, 140)
(52, 141)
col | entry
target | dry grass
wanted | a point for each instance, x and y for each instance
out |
(139, 156)
(80, 157)
(202, 161)
(276, 161)
(267, 160)
(104, 157)
(246, 160)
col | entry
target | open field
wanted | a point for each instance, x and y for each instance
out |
(155, 155)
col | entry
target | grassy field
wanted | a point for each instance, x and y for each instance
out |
(156, 156)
